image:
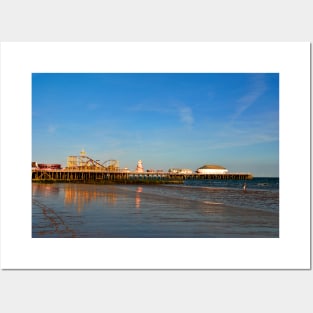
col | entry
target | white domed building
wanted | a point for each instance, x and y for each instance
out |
(212, 169)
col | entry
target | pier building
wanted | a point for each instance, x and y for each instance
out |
(212, 169)
(180, 170)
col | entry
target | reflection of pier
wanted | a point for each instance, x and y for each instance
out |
(73, 195)
(138, 199)
(104, 176)
(45, 190)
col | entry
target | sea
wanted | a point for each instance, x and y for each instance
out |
(195, 209)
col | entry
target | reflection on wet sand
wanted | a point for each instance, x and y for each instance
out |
(45, 189)
(137, 199)
(79, 196)
(133, 211)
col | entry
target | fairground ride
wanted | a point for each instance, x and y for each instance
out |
(84, 162)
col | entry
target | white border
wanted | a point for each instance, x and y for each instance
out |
(20, 251)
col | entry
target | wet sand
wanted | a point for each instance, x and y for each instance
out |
(86, 211)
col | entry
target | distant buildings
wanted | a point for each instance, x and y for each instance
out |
(42, 166)
(180, 171)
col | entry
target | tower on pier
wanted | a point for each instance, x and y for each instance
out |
(139, 168)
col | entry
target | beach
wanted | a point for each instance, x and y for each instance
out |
(211, 209)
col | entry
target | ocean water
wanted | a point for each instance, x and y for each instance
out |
(196, 209)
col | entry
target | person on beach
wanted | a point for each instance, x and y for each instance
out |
(244, 187)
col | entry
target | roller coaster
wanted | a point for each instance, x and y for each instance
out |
(85, 162)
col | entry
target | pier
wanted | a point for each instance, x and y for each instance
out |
(101, 176)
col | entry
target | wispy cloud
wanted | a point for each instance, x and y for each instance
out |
(256, 91)
(185, 114)
(263, 130)
(244, 140)
(181, 111)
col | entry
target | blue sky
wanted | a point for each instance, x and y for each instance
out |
(165, 119)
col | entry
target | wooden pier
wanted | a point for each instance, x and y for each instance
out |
(102, 177)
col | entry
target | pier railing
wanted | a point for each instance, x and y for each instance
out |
(120, 176)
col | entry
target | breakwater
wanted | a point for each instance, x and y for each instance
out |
(103, 177)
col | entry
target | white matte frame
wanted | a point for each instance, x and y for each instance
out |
(290, 251)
